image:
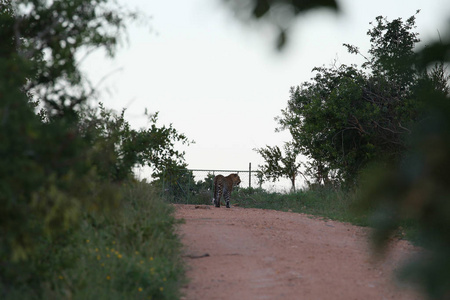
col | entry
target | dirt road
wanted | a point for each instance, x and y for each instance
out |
(250, 254)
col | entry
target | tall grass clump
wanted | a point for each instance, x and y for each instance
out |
(326, 202)
(128, 253)
(335, 204)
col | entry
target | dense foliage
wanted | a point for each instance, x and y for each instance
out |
(180, 186)
(45, 172)
(347, 116)
(116, 148)
(64, 164)
(130, 253)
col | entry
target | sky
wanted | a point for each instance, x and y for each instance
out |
(222, 82)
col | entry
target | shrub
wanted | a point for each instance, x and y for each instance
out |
(132, 253)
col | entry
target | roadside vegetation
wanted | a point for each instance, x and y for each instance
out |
(130, 252)
(74, 223)
(322, 202)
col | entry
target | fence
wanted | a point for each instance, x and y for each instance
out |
(196, 185)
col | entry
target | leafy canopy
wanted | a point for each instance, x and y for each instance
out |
(346, 116)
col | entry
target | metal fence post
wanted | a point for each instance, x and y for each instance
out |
(189, 187)
(249, 174)
(212, 184)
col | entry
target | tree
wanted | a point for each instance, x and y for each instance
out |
(116, 148)
(52, 35)
(324, 119)
(43, 161)
(392, 56)
(206, 184)
(278, 165)
(347, 117)
(176, 181)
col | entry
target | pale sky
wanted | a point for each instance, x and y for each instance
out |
(221, 82)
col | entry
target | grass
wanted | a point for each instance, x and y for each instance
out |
(130, 253)
(324, 202)
(329, 203)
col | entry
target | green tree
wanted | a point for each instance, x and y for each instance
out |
(52, 35)
(392, 55)
(207, 183)
(176, 181)
(346, 117)
(45, 173)
(116, 148)
(324, 118)
(278, 165)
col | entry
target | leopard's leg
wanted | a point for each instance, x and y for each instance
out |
(226, 195)
(217, 195)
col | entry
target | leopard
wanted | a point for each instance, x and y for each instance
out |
(224, 186)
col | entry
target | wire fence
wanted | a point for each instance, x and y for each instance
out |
(197, 185)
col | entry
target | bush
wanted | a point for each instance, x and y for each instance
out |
(129, 253)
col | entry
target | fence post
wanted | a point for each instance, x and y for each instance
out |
(249, 174)
(189, 187)
(212, 186)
